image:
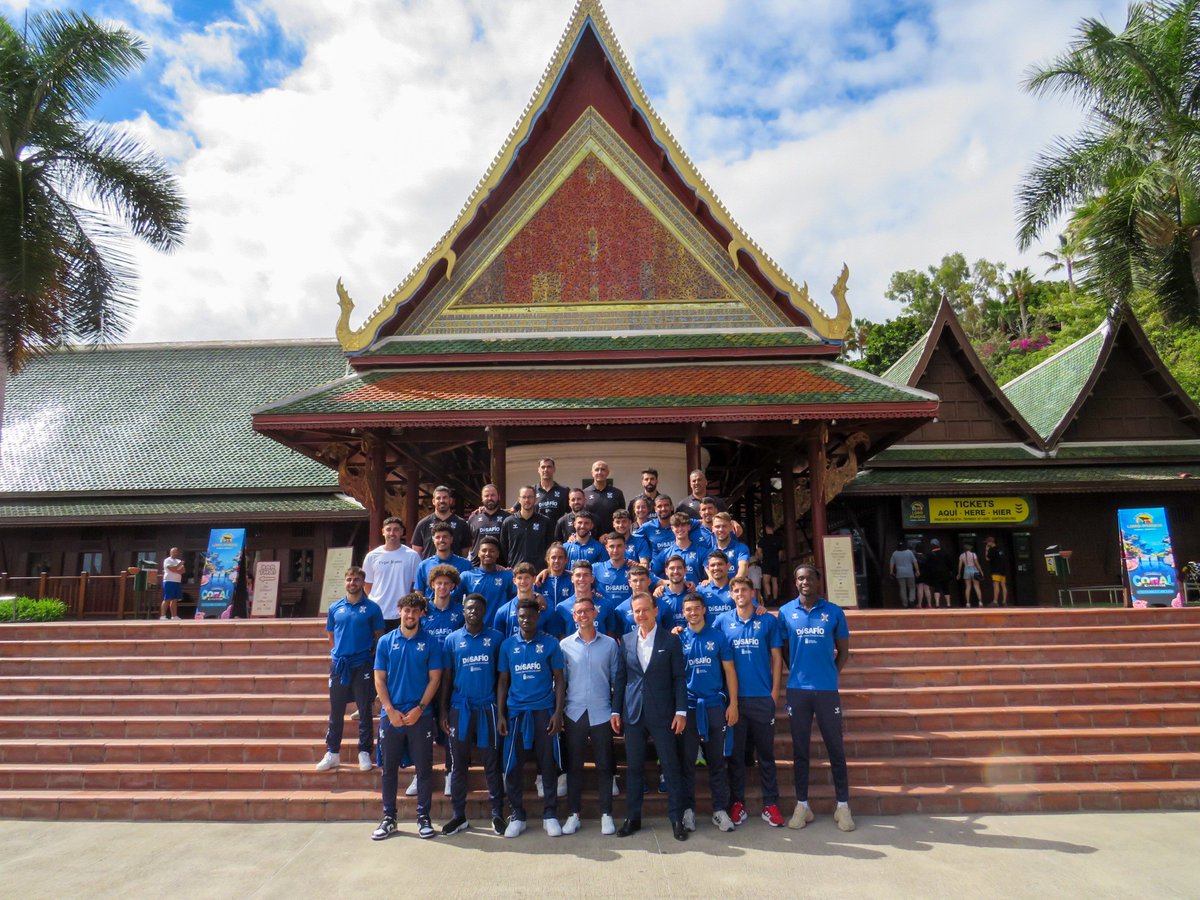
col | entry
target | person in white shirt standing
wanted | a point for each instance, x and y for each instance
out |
(172, 585)
(390, 571)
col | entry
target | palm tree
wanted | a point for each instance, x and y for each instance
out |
(1066, 258)
(1136, 162)
(1016, 287)
(70, 189)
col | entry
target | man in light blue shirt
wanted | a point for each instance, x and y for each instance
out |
(591, 669)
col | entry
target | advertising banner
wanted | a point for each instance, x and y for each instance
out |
(266, 589)
(1148, 557)
(333, 586)
(840, 587)
(222, 563)
(968, 511)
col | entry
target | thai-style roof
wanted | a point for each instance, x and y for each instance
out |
(590, 145)
(594, 394)
(92, 510)
(1046, 393)
(169, 419)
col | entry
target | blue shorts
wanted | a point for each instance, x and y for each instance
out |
(172, 590)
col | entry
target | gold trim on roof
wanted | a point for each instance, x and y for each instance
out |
(834, 328)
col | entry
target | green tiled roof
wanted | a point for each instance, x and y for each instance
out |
(159, 417)
(1145, 451)
(593, 343)
(507, 389)
(902, 369)
(1111, 477)
(952, 454)
(88, 509)
(1045, 393)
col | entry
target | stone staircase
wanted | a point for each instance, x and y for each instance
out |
(963, 711)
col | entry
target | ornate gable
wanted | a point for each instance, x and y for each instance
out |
(592, 218)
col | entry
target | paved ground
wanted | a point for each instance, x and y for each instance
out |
(1083, 855)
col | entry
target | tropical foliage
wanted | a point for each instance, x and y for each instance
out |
(71, 191)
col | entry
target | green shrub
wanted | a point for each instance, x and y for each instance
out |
(30, 610)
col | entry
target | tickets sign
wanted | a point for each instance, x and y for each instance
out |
(968, 511)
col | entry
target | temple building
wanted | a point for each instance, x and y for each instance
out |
(593, 299)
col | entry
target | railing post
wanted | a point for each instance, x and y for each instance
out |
(125, 576)
(43, 585)
(82, 595)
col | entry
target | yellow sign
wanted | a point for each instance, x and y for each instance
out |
(968, 511)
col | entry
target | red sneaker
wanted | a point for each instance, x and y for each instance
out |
(772, 816)
(737, 812)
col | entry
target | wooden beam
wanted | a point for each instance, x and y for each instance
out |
(816, 487)
(498, 446)
(375, 449)
(412, 496)
(693, 448)
(787, 478)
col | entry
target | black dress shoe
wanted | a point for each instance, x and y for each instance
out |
(679, 831)
(628, 827)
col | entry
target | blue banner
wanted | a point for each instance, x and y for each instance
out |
(1148, 557)
(222, 563)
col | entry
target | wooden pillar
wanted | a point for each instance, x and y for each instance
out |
(122, 585)
(82, 596)
(43, 585)
(412, 498)
(376, 453)
(816, 486)
(787, 479)
(498, 444)
(693, 447)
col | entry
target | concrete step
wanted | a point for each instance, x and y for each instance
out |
(1015, 654)
(859, 746)
(92, 667)
(1015, 674)
(110, 685)
(176, 704)
(991, 696)
(913, 771)
(315, 645)
(364, 805)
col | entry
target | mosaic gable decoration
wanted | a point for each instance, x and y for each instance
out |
(591, 205)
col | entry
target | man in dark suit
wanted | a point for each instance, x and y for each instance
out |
(650, 701)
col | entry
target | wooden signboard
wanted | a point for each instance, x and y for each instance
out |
(333, 586)
(266, 589)
(840, 587)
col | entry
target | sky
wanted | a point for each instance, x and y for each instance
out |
(324, 139)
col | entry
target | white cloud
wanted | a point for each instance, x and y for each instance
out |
(355, 163)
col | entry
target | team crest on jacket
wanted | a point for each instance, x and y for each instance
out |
(757, 624)
(420, 645)
(824, 617)
(537, 526)
(487, 642)
(710, 646)
(537, 648)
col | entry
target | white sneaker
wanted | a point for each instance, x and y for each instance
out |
(571, 825)
(552, 827)
(329, 761)
(364, 761)
(537, 786)
(722, 821)
(411, 790)
(689, 819)
(163, 618)
(801, 817)
(845, 821)
(514, 828)
(607, 825)
(562, 785)
(446, 789)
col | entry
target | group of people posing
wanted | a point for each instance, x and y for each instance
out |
(653, 634)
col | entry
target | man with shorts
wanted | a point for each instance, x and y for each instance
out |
(354, 624)
(819, 647)
(390, 571)
(408, 670)
(172, 585)
(997, 564)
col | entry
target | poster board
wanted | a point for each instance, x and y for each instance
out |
(333, 585)
(1147, 557)
(222, 565)
(840, 586)
(266, 589)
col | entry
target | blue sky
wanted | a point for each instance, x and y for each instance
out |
(318, 139)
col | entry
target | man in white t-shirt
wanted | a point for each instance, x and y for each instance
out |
(172, 585)
(391, 570)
